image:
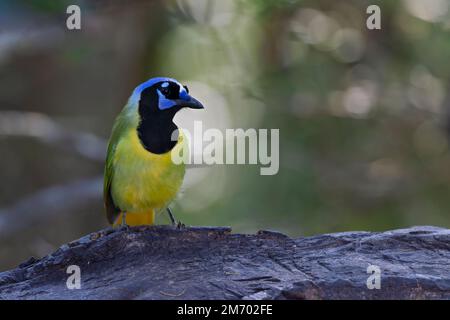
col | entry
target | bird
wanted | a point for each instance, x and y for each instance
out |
(140, 177)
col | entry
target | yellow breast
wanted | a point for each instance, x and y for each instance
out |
(142, 180)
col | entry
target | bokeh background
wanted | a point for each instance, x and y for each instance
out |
(363, 114)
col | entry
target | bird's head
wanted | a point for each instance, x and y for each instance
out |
(157, 101)
(163, 95)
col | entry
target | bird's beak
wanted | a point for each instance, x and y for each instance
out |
(190, 102)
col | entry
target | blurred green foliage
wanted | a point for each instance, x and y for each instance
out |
(362, 113)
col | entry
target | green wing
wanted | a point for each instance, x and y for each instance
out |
(123, 122)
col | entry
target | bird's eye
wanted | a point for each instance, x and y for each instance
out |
(186, 88)
(170, 90)
(165, 88)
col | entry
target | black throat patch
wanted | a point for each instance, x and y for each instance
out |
(156, 127)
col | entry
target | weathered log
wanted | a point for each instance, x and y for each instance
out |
(161, 262)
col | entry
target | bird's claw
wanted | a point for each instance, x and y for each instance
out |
(125, 226)
(180, 225)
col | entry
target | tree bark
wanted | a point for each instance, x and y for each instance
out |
(162, 262)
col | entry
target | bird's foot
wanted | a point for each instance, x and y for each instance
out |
(124, 224)
(125, 227)
(180, 225)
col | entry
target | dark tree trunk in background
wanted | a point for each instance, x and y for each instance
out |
(212, 263)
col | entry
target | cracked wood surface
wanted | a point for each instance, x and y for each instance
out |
(161, 262)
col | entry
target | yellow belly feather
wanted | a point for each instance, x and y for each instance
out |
(144, 182)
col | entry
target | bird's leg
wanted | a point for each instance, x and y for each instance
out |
(124, 220)
(171, 216)
(178, 224)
